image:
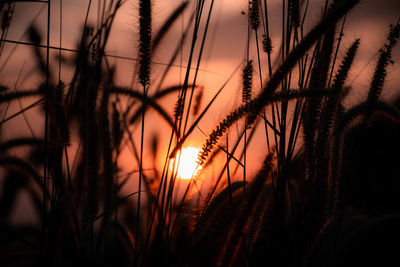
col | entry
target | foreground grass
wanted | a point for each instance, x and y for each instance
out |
(327, 186)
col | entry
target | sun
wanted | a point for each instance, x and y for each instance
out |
(187, 162)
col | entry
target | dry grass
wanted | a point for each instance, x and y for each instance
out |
(297, 209)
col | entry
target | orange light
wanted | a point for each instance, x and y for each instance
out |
(187, 162)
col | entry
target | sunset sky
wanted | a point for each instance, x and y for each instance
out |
(369, 21)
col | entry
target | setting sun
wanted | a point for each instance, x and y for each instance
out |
(187, 162)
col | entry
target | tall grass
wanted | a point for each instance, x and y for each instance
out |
(294, 212)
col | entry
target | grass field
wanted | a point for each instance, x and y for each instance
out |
(155, 159)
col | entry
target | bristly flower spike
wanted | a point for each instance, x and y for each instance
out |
(254, 14)
(247, 81)
(144, 41)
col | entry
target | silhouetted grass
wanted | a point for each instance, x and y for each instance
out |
(325, 166)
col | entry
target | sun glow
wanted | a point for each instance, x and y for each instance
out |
(187, 162)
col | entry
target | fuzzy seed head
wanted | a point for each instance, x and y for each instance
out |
(294, 12)
(144, 41)
(267, 44)
(247, 81)
(178, 110)
(254, 13)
